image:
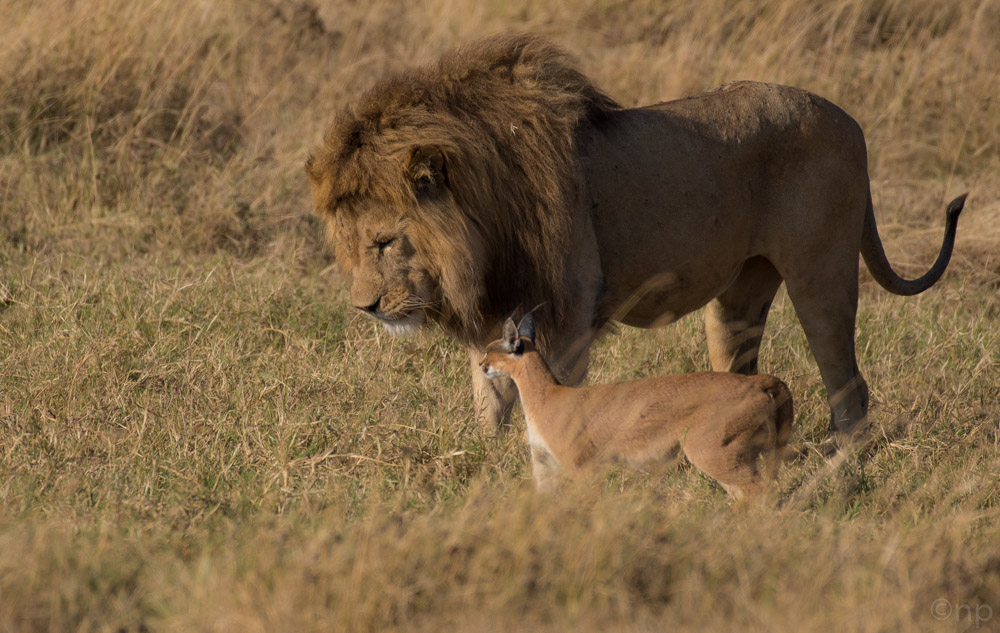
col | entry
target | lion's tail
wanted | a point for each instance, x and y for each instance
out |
(784, 411)
(779, 427)
(881, 269)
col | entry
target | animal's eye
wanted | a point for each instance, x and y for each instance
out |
(384, 243)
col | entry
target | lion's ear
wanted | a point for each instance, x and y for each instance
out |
(314, 175)
(426, 168)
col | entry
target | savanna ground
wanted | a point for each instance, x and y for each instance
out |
(197, 433)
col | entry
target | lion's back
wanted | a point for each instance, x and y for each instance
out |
(751, 111)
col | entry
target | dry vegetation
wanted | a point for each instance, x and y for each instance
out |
(197, 433)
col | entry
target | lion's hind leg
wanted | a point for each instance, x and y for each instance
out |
(826, 302)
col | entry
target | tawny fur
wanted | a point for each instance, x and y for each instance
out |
(721, 421)
(499, 177)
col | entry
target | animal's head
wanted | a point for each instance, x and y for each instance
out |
(442, 184)
(393, 238)
(503, 354)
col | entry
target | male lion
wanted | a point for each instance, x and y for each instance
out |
(500, 177)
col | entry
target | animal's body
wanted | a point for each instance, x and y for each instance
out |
(500, 178)
(721, 421)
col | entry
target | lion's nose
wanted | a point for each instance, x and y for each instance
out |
(370, 309)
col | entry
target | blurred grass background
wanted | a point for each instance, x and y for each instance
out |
(198, 434)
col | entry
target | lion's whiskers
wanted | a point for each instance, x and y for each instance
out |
(414, 302)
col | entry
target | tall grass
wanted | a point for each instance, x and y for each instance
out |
(196, 433)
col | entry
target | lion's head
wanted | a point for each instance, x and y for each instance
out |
(442, 184)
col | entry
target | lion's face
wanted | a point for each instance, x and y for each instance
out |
(389, 280)
(406, 249)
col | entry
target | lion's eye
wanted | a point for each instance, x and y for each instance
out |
(383, 244)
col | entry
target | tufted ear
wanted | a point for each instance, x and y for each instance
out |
(426, 168)
(527, 327)
(511, 339)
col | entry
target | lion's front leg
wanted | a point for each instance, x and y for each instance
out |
(494, 399)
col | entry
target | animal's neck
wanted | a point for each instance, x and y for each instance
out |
(556, 423)
(532, 377)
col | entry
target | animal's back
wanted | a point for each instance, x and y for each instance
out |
(746, 111)
(717, 168)
(651, 415)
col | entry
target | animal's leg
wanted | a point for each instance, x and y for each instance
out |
(750, 485)
(737, 474)
(494, 399)
(544, 469)
(734, 321)
(729, 452)
(566, 347)
(569, 362)
(827, 307)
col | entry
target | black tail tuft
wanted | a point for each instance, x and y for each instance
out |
(955, 207)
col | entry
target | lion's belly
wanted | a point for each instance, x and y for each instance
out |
(665, 296)
(656, 273)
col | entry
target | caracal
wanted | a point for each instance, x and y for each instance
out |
(721, 421)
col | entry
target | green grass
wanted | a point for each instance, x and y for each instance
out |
(197, 433)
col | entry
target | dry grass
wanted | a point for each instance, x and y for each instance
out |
(196, 433)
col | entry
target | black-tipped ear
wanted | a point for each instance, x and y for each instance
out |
(511, 339)
(427, 169)
(527, 327)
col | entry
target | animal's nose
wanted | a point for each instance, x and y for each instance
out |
(370, 309)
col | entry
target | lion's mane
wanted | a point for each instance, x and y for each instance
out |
(505, 112)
